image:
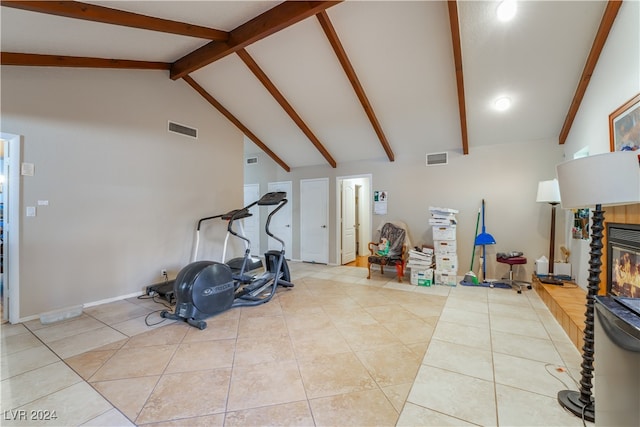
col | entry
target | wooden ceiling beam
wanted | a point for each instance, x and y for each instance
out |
(37, 60)
(206, 95)
(334, 40)
(257, 71)
(457, 59)
(608, 18)
(270, 22)
(95, 13)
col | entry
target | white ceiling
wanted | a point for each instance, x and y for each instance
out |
(401, 52)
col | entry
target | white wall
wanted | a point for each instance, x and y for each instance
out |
(506, 176)
(615, 80)
(123, 193)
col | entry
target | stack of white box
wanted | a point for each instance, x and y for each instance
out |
(443, 222)
(421, 265)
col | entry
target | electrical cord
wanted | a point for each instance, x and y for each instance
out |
(568, 372)
(154, 298)
(560, 369)
(146, 318)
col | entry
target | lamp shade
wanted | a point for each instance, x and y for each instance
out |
(548, 191)
(607, 179)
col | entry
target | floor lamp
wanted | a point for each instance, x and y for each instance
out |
(608, 179)
(549, 192)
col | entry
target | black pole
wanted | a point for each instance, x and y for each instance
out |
(552, 240)
(582, 403)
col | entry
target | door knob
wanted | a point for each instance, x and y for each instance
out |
(324, 226)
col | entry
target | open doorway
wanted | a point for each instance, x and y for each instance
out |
(353, 217)
(10, 218)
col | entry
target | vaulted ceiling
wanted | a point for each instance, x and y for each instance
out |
(330, 82)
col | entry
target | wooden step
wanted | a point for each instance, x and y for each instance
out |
(568, 305)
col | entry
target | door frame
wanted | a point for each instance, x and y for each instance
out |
(11, 227)
(326, 214)
(365, 211)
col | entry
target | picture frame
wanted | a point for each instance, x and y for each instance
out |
(624, 126)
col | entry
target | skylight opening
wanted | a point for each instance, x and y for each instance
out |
(506, 10)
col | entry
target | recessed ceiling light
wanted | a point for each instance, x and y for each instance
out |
(503, 103)
(507, 10)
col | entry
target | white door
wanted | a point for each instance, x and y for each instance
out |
(282, 220)
(251, 225)
(348, 222)
(12, 149)
(314, 219)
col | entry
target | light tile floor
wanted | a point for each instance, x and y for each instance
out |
(336, 350)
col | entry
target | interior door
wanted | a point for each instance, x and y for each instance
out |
(282, 220)
(348, 222)
(314, 218)
(251, 225)
(12, 152)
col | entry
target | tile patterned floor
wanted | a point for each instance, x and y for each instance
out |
(336, 350)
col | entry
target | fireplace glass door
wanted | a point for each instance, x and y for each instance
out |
(623, 260)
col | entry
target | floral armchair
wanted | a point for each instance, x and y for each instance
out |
(391, 250)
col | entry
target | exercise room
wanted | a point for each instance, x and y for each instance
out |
(355, 213)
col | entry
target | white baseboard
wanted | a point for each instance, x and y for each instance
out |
(68, 312)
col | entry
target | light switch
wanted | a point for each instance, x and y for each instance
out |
(31, 211)
(27, 169)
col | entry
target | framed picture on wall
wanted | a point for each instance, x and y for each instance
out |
(624, 126)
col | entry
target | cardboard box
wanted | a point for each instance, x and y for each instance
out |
(444, 232)
(446, 278)
(445, 246)
(447, 262)
(422, 277)
(562, 268)
(427, 249)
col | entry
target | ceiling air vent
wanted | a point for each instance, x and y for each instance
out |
(434, 159)
(183, 130)
(251, 160)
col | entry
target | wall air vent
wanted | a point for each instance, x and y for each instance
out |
(183, 130)
(434, 159)
(251, 160)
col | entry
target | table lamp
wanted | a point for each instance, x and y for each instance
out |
(608, 179)
(549, 192)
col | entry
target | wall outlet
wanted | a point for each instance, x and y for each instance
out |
(163, 272)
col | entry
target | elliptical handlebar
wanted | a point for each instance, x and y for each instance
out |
(201, 220)
(271, 199)
(235, 215)
(228, 216)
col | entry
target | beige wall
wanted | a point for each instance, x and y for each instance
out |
(506, 176)
(123, 193)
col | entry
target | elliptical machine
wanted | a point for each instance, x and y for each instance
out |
(240, 265)
(206, 288)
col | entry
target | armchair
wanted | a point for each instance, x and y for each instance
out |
(394, 253)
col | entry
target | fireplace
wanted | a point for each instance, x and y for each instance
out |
(623, 260)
